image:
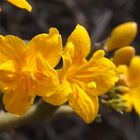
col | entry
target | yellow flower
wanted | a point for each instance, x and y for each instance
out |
(121, 36)
(27, 70)
(132, 74)
(83, 81)
(21, 4)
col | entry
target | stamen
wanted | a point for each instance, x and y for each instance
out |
(92, 85)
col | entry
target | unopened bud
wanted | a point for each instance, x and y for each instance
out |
(123, 89)
(123, 55)
(121, 36)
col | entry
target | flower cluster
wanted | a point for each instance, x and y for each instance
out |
(27, 70)
(128, 65)
(131, 74)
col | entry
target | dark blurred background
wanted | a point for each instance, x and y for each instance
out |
(99, 17)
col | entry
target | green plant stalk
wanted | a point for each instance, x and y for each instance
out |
(38, 112)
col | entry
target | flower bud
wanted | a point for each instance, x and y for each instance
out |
(121, 36)
(123, 89)
(123, 55)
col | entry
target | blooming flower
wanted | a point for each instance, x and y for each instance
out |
(131, 75)
(21, 4)
(27, 70)
(121, 36)
(82, 81)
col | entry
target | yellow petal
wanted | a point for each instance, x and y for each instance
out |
(136, 99)
(121, 36)
(101, 71)
(98, 54)
(127, 101)
(47, 45)
(60, 96)
(69, 49)
(19, 97)
(67, 61)
(7, 72)
(12, 48)
(123, 75)
(134, 71)
(123, 69)
(83, 105)
(81, 41)
(123, 55)
(47, 78)
(21, 4)
(7, 66)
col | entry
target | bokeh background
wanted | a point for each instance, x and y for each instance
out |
(99, 17)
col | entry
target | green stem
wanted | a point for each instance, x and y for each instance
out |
(38, 112)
